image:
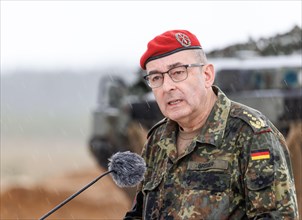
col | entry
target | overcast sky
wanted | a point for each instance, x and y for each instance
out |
(89, 34)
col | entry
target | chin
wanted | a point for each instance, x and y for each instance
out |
(177, 117)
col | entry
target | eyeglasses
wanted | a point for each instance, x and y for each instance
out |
(177, 74)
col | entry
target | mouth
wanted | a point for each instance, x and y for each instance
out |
(174, 102)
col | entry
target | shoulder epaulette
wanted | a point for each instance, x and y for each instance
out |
(156, 126)
(251, 116)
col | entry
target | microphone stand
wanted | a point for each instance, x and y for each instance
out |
(74, 195)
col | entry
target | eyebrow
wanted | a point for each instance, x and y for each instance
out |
(171, 66)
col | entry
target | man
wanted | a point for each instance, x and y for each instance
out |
(210, 158)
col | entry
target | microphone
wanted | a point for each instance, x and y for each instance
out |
(126, 168)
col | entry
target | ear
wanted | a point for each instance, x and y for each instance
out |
(209, 75)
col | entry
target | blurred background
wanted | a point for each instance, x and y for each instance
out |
(72, 94)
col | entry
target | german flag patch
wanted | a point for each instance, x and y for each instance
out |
(260, 154)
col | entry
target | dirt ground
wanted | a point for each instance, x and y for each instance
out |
(36, 179)
(101, 201)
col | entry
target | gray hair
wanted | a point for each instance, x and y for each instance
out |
(201, 56)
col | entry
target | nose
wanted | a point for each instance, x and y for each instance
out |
(168, 83)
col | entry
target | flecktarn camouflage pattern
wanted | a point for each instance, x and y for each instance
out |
(238, 167)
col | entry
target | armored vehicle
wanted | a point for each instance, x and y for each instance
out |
(122, 117)
(272, 85)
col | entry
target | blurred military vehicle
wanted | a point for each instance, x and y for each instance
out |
(122, 117)
(271, 84)
(124, 113)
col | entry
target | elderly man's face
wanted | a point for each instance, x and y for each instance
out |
(186, 99)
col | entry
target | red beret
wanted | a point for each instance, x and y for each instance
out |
(168, 43)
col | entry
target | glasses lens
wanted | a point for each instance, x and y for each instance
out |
(155, 80)
(178, 74)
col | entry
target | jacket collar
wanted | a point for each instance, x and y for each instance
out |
(212, 131)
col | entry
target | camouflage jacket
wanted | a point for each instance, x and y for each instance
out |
(238, 167)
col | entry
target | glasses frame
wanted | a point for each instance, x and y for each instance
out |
(167, 72)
